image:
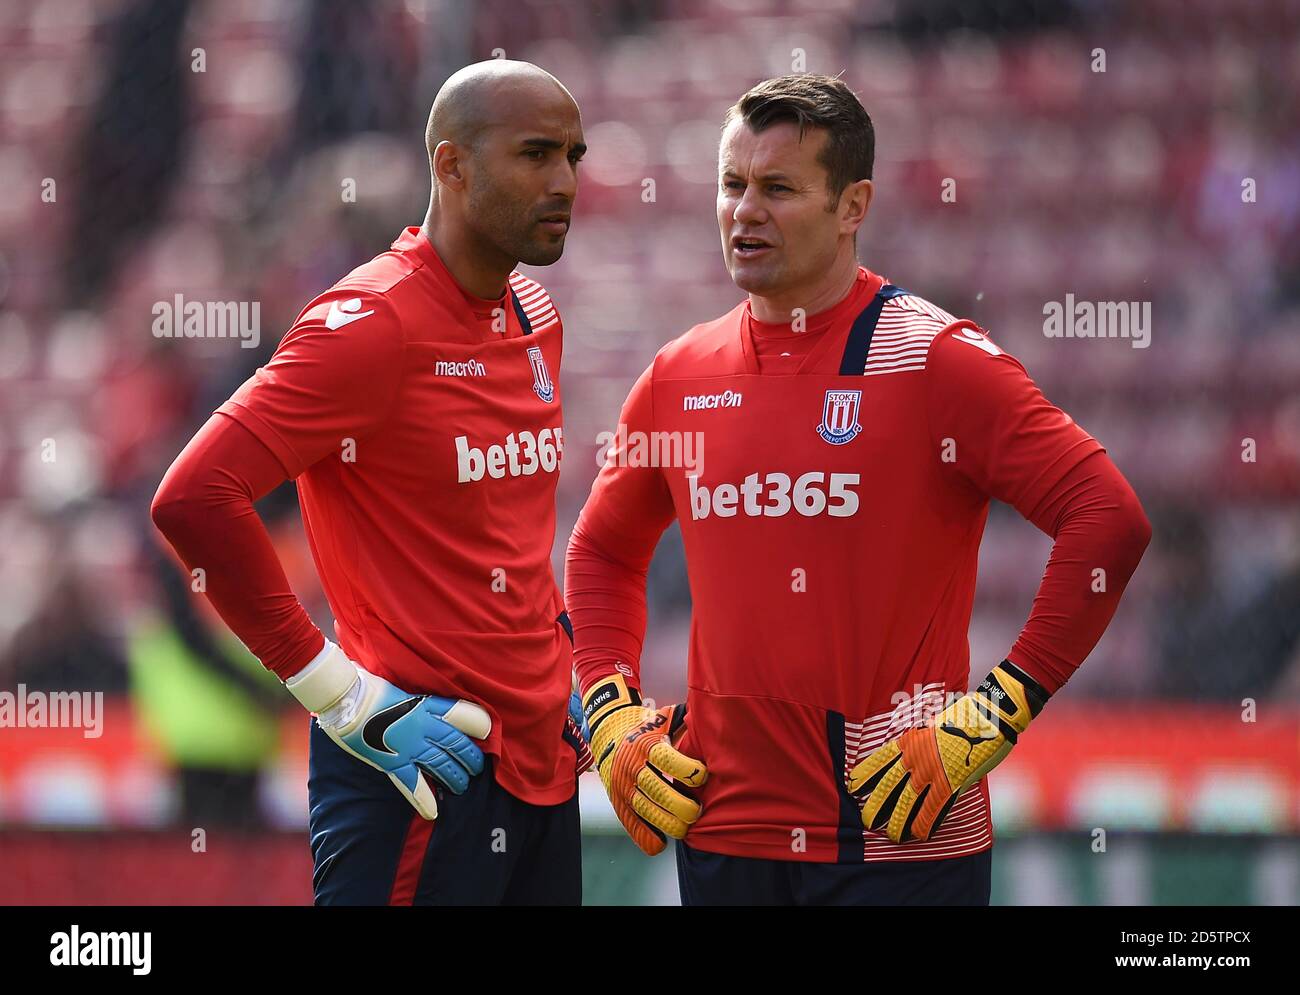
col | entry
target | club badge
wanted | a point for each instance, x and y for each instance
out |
(840, 416)
(542, 385)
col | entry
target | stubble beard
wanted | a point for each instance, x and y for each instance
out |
(510, 228)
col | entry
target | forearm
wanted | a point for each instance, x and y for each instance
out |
(204, 507)
(1100, 533)
(605, 594)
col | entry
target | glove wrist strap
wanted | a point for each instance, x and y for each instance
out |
(1013, 698)
(1034, 692)
(325, 680)
(607, 696)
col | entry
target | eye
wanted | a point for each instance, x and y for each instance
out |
(537, 155)
(732, 184)
(780, 187)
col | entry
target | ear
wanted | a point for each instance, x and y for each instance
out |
(855, 201)
(448, 165)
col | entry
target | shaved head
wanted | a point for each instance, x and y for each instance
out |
(482, 95)
(504, 140)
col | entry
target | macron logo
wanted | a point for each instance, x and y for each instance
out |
(701, 402)
(342, 314)
(470, 368)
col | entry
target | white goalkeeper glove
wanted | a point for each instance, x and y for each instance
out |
(405, 735)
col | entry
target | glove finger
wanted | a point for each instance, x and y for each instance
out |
(931, 811)
(880, 801)
(466, 716)
(445, 768)
(921, 751)
(903, 810)
(662, 820)
(420, 795)
(451, 740)
(678, 766)
(605, 770)
(866, 775)
(618, 787)
(662, 794)
(647, 837)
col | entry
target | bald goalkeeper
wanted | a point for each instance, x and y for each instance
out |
(417, 405)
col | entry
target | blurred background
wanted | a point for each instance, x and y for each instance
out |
(257, 150)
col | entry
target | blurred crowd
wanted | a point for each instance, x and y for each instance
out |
(257, 150)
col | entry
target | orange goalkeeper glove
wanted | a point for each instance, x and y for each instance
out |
(911, 782)
(633, 747)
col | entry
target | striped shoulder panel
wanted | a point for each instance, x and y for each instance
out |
(535, 301)
(907, 326)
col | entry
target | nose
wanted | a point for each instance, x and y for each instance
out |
(563, 183)
(749, 210)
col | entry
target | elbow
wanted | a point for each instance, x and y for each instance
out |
(1141, 531)
(603, 547)
(578, 557)
(171, 509)
(578, 541)
(1135, 527)
(164, 510)
(582, 548)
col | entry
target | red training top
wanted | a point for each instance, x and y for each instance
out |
(423, 427)
(831, 504)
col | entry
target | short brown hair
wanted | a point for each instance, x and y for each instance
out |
(815, 101)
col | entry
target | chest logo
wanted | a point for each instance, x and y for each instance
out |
(702, 402)
(840, 416)
(542, 385)
(449, 368)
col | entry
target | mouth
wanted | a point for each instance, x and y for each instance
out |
(748, 247)
(554, 224)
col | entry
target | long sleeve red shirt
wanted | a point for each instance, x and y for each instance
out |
(832, 487)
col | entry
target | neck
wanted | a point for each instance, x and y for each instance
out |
(478, 269)
(824, 294)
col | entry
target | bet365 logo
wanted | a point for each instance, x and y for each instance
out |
(774, 495)
(519, 455)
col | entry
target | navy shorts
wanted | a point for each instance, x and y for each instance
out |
(717, 879)
(370, 847)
